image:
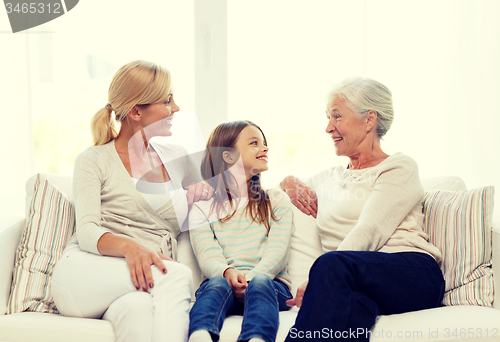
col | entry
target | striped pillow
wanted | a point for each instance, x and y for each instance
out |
(49, 225)
(459, 224)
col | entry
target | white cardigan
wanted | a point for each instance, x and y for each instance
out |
(106, 199)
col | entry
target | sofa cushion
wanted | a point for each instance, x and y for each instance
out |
(45, 327)
(305, 248)
(459, 224)
(49, 225)
(457, 323)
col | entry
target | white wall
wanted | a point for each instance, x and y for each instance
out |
(439, 58)
(16, 139)
(447, 87)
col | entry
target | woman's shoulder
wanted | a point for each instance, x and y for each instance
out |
(96, 152)
(203, 209)
(278, 198)
(399, 159)
(203, 206)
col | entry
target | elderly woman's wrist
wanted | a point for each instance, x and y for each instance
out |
(286, 184)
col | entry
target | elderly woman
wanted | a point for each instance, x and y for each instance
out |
(377, 259)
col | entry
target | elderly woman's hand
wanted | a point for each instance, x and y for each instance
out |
(297, 301)
(301, 195)
(199, 191)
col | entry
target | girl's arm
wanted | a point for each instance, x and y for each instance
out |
(275, 256)
(206, 248)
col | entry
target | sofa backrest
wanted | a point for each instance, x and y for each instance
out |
(305, 245)
(10, 233)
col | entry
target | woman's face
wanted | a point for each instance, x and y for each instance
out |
(347, 131)
(157, 117)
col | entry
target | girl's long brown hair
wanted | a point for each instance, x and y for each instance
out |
(213, 167)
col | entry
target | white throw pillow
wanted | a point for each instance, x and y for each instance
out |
(459, 224)
(50, 222)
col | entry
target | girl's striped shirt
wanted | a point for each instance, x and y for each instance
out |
(242, 243)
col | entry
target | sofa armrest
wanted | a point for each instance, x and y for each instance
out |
(10, 233)
(496, 263)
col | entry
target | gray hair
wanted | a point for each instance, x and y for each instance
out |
(364, 94)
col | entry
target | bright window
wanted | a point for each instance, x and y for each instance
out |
(74, 57)
(439, 59)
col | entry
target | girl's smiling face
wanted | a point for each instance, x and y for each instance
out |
(253, 149)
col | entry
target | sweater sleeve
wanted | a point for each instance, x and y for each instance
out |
(206, 248)
(395, 193)
(87, 198)
(275, 256)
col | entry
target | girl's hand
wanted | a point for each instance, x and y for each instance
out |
(237, 281)
(299, 297)
(199, 191)
(301, 195)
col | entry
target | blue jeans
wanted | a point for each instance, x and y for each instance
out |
(347, 290)
(263, 300)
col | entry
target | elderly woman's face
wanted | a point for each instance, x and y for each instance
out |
(346, 130)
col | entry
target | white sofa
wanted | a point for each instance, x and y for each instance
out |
(451, 323)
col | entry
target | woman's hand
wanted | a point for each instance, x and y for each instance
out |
(237, 281)
(139, 258)
(199, 191)
(301, 195)
(297, 301)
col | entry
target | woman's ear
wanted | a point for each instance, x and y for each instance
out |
(371, 120)
(134, 114)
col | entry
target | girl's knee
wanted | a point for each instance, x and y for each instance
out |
(260, 281)
(218, 283)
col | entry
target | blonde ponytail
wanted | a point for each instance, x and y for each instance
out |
(103, 126)
(135, 83)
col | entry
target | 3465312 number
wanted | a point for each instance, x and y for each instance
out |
(33, 7)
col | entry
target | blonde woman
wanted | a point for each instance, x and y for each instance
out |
(120, 263)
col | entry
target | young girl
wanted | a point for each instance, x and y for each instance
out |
(240, 238)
